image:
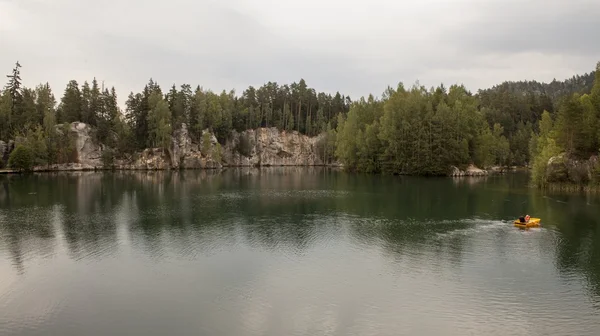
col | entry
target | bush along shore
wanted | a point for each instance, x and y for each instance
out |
(408, 130)
(565, 150)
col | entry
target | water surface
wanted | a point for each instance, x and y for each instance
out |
(293, 252)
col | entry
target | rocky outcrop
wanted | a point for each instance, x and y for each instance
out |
(183, 154)
(89, 154)
(470, 171)
(262, 147)
(158, 159)
(181, 146)
(266, 147)
(562, 168)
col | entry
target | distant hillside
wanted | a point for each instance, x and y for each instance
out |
(554, 90)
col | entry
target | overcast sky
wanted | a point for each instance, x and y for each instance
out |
(356, 47)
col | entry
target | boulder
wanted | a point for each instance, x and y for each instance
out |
(470, 171)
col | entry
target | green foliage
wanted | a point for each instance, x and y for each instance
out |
(61, 145)
(36, 142)
(6, 125)
(326, 145)
(569, 126)
(406, 131)
(206, 144)
(244, 146)
(484, 149)
(70, 108)
(217, 155)
(519, 144)
(108, 158)
(159, 122)
(540, 162)
(418, 132)
(21, 158)
(574, 132)
(595, 92)
(596, 174)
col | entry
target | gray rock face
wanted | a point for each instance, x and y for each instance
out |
(181, 146)
(89, 154)
(270, 147)
(562, 168)
(261, 147)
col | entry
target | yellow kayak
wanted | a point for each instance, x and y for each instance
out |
(533, 222)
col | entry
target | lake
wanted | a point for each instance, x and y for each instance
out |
(293, 251)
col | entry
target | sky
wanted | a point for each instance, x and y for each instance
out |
(355, 47)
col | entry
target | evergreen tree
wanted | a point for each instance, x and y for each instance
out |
(71, 104)
(159, 121)
(569, 126)
(14, 87)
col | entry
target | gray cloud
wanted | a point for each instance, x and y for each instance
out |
(354, 47)
(550, 26)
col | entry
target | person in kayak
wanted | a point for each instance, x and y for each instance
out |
(524, 219)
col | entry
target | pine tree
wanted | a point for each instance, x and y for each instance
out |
(71, 104)
(159, 122)
(569, 126)
(14, 87)
(95, 105)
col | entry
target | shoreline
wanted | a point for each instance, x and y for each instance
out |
(9, 171)
(75, 168)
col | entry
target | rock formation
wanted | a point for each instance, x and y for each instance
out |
(89, 154)
(562, 168)
(470, 171)
(252, 148)
(269, 147)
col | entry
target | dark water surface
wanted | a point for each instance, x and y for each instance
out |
(293, 252)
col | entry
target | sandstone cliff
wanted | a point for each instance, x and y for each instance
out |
(252, 148)
(269, 147)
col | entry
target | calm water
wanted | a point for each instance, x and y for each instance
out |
(293, 252)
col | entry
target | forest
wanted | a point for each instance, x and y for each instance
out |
(407, 130)
(424, 132)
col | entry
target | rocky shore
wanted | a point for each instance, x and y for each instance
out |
(263, 147)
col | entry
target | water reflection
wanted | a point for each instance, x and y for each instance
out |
(274, 207)
(443, 231)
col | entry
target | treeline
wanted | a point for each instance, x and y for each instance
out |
(407, 130)
(573, 130)
(518, 107)
(419, 131)
(153, 115)
(553, 90)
